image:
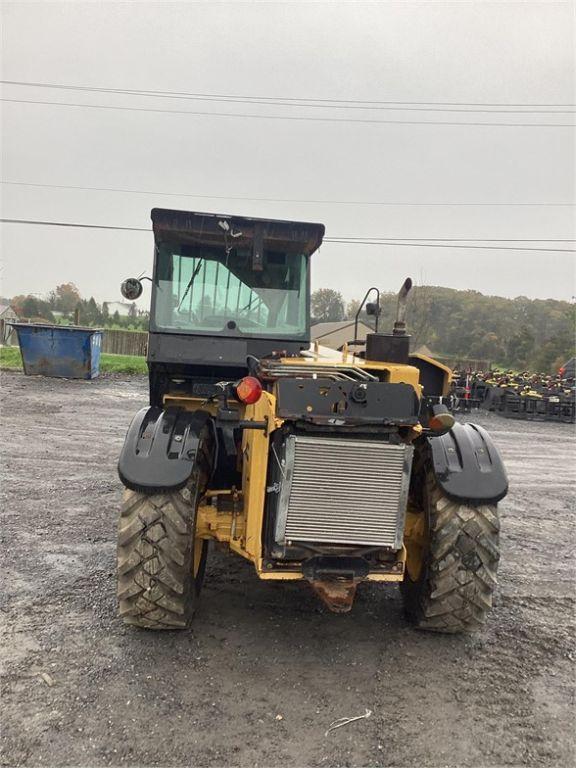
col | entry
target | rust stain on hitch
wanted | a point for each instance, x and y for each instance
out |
(337, 594)
(335, 578)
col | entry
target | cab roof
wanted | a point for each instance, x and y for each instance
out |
(211, 229)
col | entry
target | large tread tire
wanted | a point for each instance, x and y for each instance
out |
(455, 588)
(158, 578)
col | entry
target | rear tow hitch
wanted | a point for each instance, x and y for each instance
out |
(334, 579)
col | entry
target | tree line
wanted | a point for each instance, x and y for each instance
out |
(65, 305)
(520, 333)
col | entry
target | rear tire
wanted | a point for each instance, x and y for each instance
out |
(453, 591)
(160, 563)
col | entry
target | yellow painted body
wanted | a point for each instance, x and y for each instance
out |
(239, 525)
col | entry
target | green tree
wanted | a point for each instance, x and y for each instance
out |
(32, 308)
(545, 358)
(516, 333)
(65, 297)
(521, 347)
(93, 312)
(488, 347)
(352, 308)
(327, 305)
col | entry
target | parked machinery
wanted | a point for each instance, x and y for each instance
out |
(327, 468)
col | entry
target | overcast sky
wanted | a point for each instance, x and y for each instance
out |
(462, 52)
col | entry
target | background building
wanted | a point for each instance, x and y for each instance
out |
(336, 334)
(122, 307)
(7, 333)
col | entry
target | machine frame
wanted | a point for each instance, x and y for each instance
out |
(194, 409)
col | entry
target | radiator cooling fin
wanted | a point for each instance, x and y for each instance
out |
(340, 491)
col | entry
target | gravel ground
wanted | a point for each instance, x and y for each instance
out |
(266, 668)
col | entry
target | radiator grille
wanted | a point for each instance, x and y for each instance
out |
(345, 491)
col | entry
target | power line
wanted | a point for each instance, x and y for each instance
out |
(299, 118)
(302, 103)
(274, 199)
(440, 245)
(348, 241)
(462, 239)
(73, 225)
(297, 101)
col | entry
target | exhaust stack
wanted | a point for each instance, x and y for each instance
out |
(400, 323)
(392, 347)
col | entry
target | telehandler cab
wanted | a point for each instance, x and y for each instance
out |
(326, 467)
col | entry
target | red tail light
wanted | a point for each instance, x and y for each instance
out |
(248, 390)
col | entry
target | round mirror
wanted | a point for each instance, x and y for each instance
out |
(372, 308)
(131, 288)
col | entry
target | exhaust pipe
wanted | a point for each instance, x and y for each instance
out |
(392, 347)
(400, 322)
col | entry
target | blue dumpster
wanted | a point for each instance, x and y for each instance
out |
(56, 350)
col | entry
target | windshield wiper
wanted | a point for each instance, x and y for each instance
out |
(189, 285)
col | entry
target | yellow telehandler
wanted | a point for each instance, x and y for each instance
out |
(329, 468)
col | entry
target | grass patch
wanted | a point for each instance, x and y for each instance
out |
(122, 364)
(10, 359)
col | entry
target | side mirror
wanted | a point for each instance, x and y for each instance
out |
(131, 288)
(372, 308)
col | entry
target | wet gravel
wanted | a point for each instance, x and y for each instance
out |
(266, 668)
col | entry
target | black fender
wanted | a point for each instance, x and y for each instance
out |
(161, 449)
(467, 465)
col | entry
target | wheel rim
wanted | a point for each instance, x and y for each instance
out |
(416, 543)
(198, 543)
(197, 556)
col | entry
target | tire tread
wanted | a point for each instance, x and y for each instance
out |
(455, 594)
(156, 585)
